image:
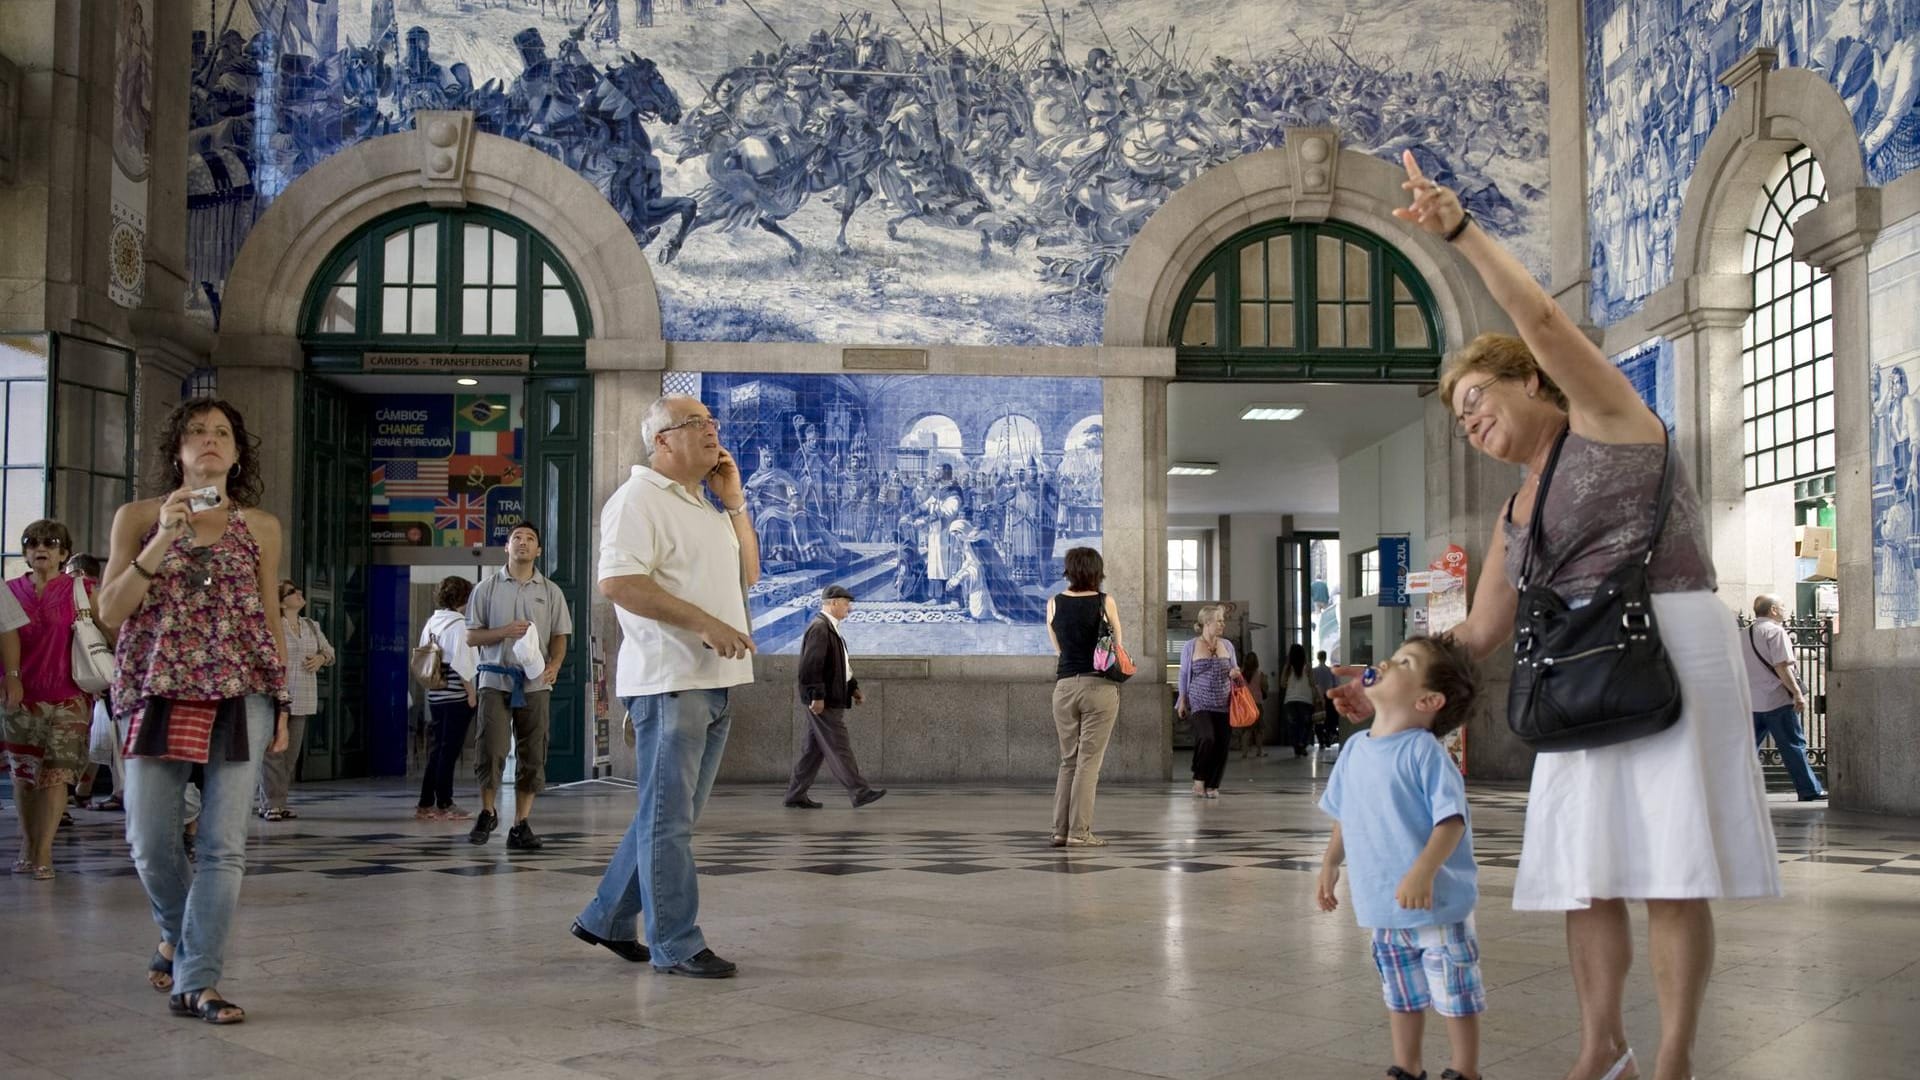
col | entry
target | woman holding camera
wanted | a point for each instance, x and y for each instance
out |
(202, 680)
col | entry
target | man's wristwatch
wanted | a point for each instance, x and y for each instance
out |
(736, 511)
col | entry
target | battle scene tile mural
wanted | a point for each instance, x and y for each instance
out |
(944, 503)
(957, 171)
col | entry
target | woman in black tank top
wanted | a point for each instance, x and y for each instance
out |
(1085, 703)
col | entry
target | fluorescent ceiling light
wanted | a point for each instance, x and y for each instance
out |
(1193, 468)
(1273, 412)
(468, 382)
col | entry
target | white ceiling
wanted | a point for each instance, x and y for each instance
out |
(1275, 467)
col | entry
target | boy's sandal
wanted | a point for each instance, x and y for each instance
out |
(43, 873)
(287, 815)
(112, 802)
(211, 1009)
(160, 968)
(275, 814)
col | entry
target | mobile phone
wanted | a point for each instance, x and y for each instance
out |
(205, 498)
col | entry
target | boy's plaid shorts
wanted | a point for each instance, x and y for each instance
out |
(1430, 965)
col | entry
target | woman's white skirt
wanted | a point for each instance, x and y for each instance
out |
(1681, 815)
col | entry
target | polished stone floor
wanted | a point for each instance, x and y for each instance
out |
(933, 935)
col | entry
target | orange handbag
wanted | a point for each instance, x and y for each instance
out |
(1242, 710)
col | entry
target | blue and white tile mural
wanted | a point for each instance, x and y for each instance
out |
(958, 171)
(1653, 98)
(944, 503)
(1893, 284)
(1649, 366)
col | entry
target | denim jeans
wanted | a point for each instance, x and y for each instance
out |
(1783, 724)
(193, 904)
(678, 740)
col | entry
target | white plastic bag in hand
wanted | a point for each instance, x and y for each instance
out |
(528, 653)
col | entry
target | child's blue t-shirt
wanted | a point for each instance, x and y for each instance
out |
(1388, 794)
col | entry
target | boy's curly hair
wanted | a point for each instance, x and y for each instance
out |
(1450, 671)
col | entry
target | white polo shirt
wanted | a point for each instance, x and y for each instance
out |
(654, 526)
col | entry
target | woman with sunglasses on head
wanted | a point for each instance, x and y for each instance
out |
(202, 680)
(45, 739)
(307, 652)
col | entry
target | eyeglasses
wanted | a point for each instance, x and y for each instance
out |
(28, 543)
(1470, 406)
(691, 421)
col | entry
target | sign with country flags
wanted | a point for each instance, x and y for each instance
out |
(447, 471)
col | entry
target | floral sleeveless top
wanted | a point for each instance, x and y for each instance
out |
(202, 633)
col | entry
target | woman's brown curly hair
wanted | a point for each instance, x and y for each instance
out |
(1502, 356)
(244, 485)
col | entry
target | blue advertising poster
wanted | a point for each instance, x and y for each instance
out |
(1394, 552)
(506, 507)
(413, 426)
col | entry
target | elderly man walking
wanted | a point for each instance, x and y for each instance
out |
(1778, 701)
(827, 690)
(677, 570)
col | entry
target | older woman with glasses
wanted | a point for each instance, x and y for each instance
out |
(307, 652)
(45, 739)
(202, 681)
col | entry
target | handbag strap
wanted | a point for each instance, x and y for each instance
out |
(82, 607)
(1536, 530)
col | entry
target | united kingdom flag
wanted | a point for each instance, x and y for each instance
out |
(460, 512)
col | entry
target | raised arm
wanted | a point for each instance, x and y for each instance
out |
(1603, 405)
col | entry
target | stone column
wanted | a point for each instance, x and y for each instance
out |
(1567, 156)
(263, 382)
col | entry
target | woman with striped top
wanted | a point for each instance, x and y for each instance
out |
(452, 705)
(307, 652)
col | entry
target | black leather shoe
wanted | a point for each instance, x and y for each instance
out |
(801, 803)
(872, 796)
(702, 965)
(483, 825)
(521, 838)
(625, 950)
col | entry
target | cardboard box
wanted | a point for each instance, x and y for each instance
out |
(1826, 566)
(1810, 540)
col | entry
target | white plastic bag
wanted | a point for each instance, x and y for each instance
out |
(529, 654)
(103, 739)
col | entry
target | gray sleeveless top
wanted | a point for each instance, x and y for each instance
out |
(1599, 511)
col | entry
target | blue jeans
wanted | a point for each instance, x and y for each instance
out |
(678, 740)
(1783, 724)
(193, 905)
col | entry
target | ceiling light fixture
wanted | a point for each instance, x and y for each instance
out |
(1193, 468)
(1272, 412)
(468, 382)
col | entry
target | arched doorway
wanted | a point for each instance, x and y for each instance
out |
(444, 399)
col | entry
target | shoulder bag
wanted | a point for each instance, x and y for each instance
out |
(424, 665)
(1109, 658)
(1598, 674)
(92, 657)
(1793, 669)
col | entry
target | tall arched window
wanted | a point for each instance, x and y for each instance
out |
(1786, 359)
(451, 279)
(1307, 301)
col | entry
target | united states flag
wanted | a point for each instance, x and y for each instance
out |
(461, 512)
(413, 479)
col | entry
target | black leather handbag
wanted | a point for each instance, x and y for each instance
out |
(1595, 675)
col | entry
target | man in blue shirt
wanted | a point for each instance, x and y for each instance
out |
(1400, 810)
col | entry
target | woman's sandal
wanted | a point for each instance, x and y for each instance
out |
(206, 1008)
(160, 968)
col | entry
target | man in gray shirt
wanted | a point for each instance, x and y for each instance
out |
(1778, 701)
(501, 609)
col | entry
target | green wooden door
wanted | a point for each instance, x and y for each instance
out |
(331, 550)
(559, 436)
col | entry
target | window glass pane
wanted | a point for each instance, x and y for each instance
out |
(1823, 452)
(473, 311)
(426, 253)
(1746, 401)
(504, 320)
(351, 274)
(1803, 345)
(1763, 474)
(1823, 376)
(1328, 335)
(473, 254)
(1823, 414)
(1253, 275)
(1253, 325)
(1746, 369)
(1823, 338)
(1359, 326)
(1747, 432)
(1359, 275)
(556, 314)
(26, 501)
(1409, 329)
(1763, 397)
(1803, 420)
(1328, 265)
(338, 313)
(1802, 306)
(1206, 289)
(108, 494)
(1783, 463)
(1280, 267)
(26, 427)
(395, 268)
(1803, 458)
(1823, 298)
(1280, 326)
(1400, 291)
(423, 321)
(1199, 328)
(393, 310)
(548, 276)
(110, 434)
(506, 258)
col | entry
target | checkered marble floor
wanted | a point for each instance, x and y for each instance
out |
(934, 934)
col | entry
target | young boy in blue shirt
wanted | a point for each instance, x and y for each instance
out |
(1400, 810)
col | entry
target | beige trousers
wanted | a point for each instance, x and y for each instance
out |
(1084, 710)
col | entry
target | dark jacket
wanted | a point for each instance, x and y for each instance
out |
(823, 667)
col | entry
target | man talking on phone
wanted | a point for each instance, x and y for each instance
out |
(676, 567)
